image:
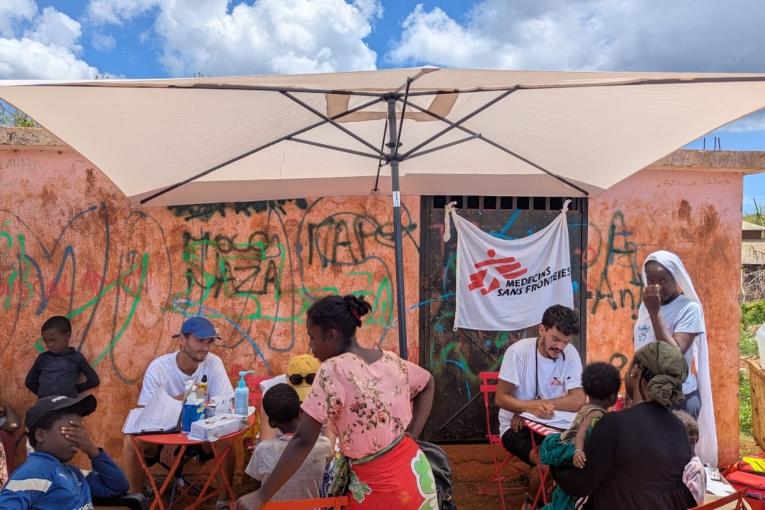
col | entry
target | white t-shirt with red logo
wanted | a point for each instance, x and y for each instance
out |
(553, 379)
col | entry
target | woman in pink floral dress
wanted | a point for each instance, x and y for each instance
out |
(376, 402)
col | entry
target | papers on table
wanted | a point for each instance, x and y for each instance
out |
(561, 419)
(161, 414)
(716, 484)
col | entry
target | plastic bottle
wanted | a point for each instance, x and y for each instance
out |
(242, 394)
(202, 389)
(193, 408)
(760, 336)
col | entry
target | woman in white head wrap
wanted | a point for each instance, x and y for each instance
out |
(671, 312)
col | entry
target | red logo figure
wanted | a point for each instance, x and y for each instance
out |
(507, 267)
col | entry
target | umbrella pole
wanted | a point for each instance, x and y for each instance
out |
(393, 158)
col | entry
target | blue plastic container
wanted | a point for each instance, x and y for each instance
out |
(191, 413)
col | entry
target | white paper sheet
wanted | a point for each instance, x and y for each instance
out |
(161, 414)
(561, 419)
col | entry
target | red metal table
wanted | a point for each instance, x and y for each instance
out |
(221, 450)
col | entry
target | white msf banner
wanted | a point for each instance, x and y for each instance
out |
(505, 285)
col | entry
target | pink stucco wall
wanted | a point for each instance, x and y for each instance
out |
(69, 243)
(697, 215)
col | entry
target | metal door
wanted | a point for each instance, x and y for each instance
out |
(456, 358)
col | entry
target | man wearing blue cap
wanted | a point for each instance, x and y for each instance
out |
(172, 372)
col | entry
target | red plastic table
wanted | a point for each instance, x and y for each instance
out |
(182, 439)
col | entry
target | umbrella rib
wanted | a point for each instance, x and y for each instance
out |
(256, 149)
(444, 146)
(333, 147)
(333, 122)
(380, 159)
(459, 122)
(498, 146)
(401, 122)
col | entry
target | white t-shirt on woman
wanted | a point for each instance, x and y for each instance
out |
(681, 315)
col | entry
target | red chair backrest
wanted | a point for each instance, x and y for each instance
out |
(253, 382)
(488, 387)
(736, 497)
(307, 504)
(488, 384)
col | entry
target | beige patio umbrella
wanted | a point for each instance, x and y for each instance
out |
(424, 131)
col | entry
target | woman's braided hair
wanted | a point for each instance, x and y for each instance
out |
(342, 313)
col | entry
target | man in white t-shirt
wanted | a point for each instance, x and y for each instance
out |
(540, 378)
(170, 373)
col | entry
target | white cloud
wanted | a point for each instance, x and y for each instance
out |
(751, 123)
(28, 59)
(624, 35)
(628, 35)
(49, 47)
(268, 36)
(118, 11)
(13, 11)
(103, 42)
(54, 28)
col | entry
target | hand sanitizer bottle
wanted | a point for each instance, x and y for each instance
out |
(242, 394)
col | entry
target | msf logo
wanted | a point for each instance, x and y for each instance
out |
(507, 267)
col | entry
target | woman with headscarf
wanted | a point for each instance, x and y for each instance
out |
(671, 312)
(636, 457)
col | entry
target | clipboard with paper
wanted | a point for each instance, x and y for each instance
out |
(161, 414)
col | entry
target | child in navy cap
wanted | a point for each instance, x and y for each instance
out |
(45, 481)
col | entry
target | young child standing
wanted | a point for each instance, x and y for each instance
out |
(601, 383)
(282, 406)
(57, 371)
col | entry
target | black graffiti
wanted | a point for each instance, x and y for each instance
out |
(622, 250)
(225, 264)
(344, 238)
(207, 211)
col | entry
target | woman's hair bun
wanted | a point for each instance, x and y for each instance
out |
(358, 306)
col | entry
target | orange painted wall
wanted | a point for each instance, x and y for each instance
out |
(69, 243)
(697, 215)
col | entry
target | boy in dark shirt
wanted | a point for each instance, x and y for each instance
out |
(57, 370)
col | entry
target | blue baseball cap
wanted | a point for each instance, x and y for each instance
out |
(199, 327)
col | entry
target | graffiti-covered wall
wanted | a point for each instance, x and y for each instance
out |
(71, 245)
(697, 215)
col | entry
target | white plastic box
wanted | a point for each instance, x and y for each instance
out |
(215, 427)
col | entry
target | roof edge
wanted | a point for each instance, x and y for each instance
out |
(34, 138)
(746, 162)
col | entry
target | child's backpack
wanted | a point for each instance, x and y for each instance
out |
(442, 472)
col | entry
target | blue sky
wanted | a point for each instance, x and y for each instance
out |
(159, 38)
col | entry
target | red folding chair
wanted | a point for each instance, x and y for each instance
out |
(489, 388)
(307, 504)
(736, 497)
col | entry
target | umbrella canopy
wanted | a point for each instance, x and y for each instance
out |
(467, 132)
(590, 130)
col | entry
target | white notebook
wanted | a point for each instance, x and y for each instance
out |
(161, 414)
(561, 419)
